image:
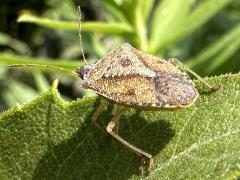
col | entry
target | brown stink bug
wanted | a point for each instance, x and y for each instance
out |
(131, 78)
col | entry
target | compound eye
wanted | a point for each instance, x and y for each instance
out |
(81, 72)
(85, 70)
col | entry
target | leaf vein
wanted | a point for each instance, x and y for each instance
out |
(193, 147)
(180, 134)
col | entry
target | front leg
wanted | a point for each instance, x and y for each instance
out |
(103, 104)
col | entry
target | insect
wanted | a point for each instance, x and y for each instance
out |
(131, 78)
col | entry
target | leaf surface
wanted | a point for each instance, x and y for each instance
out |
(52, 139)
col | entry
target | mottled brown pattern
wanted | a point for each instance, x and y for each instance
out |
(111, 64)
(126, 62)
(123, 89)
(127, 75)
(173, 89)
(156, 64)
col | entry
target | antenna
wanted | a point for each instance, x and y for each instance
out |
(42, 65)
(54, 67)
(79, 32)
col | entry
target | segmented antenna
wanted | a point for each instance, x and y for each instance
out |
(41, 65)
(79, 33)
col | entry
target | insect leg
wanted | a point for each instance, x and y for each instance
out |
(115, 129)
(110, 128)
(185, 68)
(100, 108)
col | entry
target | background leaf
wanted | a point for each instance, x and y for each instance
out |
(108, 28)
(18, 46)
(217, 53)
(52, 139)
(173, 20)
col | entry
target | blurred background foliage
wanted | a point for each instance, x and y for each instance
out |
(204, 34)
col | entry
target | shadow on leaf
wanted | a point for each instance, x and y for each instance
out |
(91, 154)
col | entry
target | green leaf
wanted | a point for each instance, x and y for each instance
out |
(102, 27)
(40, 81)
(17, 92)
(146, 8)
(168, 13)
(140, 24)
(216, 47)
(218, 52)
(173, 21)
(114, 10)
(51, 139)
(6, 40)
